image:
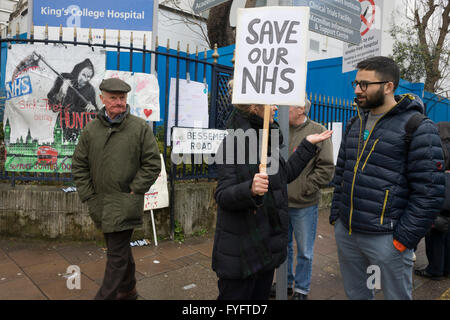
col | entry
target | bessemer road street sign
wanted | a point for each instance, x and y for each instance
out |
(338, 19)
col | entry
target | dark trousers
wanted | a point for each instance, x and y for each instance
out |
(120, 267)
(254, 288)
(437, 247)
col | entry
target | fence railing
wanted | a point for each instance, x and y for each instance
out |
(167, 63)
(164, 62)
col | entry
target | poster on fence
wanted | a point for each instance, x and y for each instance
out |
(51, 94)
(336, 138)
(192, 105)
(158, 195)
(271, 52)
(144, 95)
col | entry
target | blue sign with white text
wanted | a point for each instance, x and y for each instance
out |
(98, 14)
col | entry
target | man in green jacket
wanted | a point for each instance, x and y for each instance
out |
(303, 195)
(114, 164)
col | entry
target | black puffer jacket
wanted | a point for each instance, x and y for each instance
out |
(379, 187)
(251, 232)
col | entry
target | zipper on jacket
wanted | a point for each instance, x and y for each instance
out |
(358, 160)
(373, 147)
(354, 175)
(384, 206)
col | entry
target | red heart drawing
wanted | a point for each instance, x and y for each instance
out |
(148, 112)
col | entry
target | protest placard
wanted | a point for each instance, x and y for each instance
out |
(271, 52)
(158, 195)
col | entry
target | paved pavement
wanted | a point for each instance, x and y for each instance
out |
(36, 270)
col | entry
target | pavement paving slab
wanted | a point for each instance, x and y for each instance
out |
(36, 270)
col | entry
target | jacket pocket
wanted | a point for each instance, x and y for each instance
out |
(370, 153)
(386, 196)
(133, 206)
(122, 211)
(95, 210)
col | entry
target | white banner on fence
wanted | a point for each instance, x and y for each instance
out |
(158, 195)
(336, 138)
(144, 95)
(271, 49)
(197, 140)
(51, 94)
(192, 105)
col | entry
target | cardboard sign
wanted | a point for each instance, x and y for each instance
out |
(197, 140)
(158, 195)
(271, 52)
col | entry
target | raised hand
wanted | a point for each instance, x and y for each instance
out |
(319, 137)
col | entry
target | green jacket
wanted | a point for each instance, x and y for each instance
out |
(110, 161)
(304, 191)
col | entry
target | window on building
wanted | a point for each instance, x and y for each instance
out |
(314, 45)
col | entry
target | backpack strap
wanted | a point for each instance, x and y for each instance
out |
(349, 125)
(411, 126)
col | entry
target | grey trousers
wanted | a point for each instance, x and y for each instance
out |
(365, 257)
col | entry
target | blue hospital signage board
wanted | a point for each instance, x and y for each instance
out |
(134, 19)
(123, 15)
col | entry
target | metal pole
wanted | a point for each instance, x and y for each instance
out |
(283, 119)
(281, 271)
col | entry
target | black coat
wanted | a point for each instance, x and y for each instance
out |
(380, 187)
(252, 232)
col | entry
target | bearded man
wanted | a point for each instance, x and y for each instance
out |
(387, 192)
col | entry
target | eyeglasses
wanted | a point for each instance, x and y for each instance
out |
(364, 84)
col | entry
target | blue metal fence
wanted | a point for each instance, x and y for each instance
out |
(168, 64)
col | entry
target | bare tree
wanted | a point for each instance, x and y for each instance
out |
(219, 29)
(422, 47)
(185, 15)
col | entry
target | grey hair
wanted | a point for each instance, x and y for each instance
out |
(307, 107)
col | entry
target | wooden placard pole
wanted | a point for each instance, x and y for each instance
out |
(265, 140)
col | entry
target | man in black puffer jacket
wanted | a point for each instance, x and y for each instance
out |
(252, 220)
(385, 198)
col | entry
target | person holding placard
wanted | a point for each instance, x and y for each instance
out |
(252, 221)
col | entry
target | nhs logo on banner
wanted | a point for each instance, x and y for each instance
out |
(19, 87)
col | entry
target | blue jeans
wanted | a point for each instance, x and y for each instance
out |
(359, 251)
(303, 224)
